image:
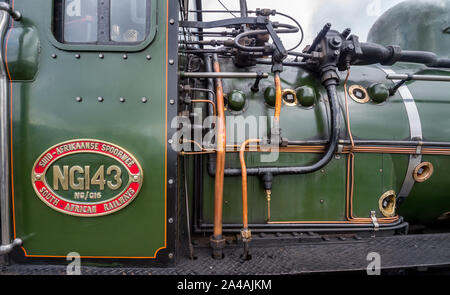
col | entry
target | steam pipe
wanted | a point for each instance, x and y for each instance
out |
(16, 15)
(224, 75)
(6, 245)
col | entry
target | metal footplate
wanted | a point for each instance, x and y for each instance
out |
(396, 252)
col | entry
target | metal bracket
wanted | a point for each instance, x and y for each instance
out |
(16, 15)
(419, 148)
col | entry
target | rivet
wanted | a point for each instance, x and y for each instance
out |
(322, 201)
(78, 99)
(171, 101)
(144, 100)
(323, 171)
(170, 255)
(171, 21)
(149, 57)
(337, 157)
(170, 141)
(77, 56)
(170, 180)
(170, 220)
(122, 99)
(125, 56)
(54, 55)
(381, 170)
(101, 56)
(100, 99)
(171, 62)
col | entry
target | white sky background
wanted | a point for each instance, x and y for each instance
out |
(359, 15)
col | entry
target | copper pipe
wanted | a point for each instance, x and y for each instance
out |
(208, 101)
(220, 155)
(244, 180)
(349, 207)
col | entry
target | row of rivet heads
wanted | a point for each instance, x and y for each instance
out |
(101, 56)
(121, 99)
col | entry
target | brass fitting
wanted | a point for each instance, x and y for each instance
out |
(387, 203)
(268, 198)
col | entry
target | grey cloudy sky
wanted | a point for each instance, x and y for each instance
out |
(313, 14)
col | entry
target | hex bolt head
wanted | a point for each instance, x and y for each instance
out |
(100, 99)
(171, 101)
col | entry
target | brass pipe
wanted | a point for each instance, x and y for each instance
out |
(220, 154)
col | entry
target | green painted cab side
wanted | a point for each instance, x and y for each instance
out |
(415, 25)
(23, 53)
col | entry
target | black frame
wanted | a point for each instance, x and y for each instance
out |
(103, 25)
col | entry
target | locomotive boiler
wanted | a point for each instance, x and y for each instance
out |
(135, 132)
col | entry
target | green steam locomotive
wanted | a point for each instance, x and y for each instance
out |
(134, 132)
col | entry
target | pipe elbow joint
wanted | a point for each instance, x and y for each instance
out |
(5, 249)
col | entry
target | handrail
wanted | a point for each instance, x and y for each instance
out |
(16, 15)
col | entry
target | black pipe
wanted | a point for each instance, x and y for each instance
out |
(441, 63)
